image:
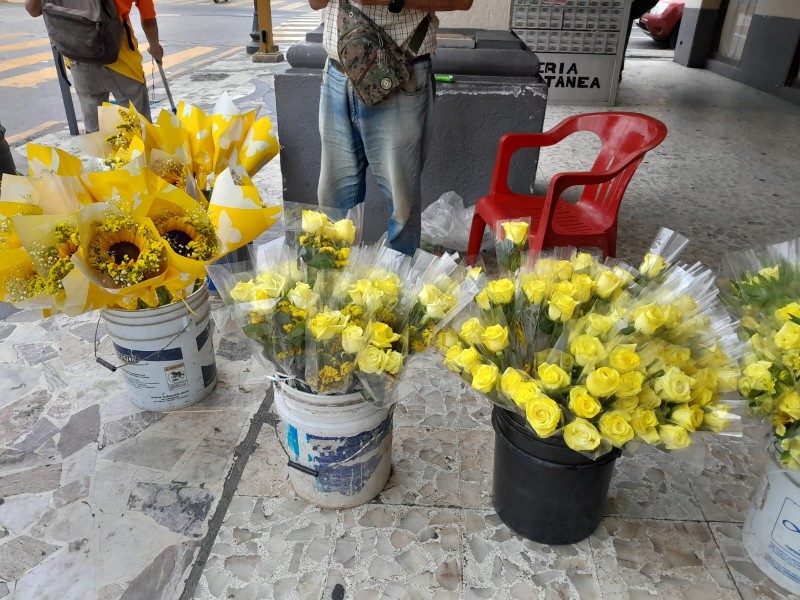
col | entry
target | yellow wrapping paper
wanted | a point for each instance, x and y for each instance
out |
(229, 127)
(127, 189)
(63, 195)
(44, 159)
(18, 188)
(172, 137)
(9, 239)
(259, 147)
(201, 144)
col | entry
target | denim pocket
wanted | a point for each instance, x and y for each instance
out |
(418, 82)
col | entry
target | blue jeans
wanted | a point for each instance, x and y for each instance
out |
(391, 137)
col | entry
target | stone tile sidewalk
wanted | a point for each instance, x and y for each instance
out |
(101, 500)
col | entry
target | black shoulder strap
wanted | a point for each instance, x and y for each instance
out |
(128, 33)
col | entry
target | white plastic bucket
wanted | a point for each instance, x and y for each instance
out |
(771, 533)
(167, 352)
(341, 446)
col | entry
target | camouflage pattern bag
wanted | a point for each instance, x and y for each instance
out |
(372, 60)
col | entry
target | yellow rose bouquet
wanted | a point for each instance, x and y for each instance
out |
(762, 288)
(511, 243)
(323, 236)
(600, 354)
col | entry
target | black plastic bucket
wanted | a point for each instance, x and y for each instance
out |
(543, 490)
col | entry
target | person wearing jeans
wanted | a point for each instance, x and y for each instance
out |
(391, 137)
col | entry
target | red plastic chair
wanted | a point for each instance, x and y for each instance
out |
(592, 221)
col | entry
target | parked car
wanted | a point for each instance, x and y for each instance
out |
(663, 21)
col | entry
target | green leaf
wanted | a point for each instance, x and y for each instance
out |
(628, 330)
(795, 319)
(164, 297)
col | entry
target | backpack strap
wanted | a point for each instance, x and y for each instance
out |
(128, 34)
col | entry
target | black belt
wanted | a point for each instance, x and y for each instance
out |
(338, 66)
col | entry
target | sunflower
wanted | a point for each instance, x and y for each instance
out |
(171, 171)
(189, 234)
(126, 251)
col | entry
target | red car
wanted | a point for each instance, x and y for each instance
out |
(663, 21)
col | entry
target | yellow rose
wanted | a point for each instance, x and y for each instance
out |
(313, 221)
(545, 267)
(717, 417)
(607, 283)
(535, 290)
(344, 231)
(672, 317)
(759, 376)
(674, 437)
(302, 296)
(563, 269)
(582, 404)
(649, 318)
(468, 359)
(525, 393)
(358, 289)
(587, 350)
(581, 436)
(653, 265)
(583, 286)
(702, 396)
(272, 284)
(437, 310)
(727, 379)
(445, 340)
(790, 404)
(516, 231)
(674, 385)
(565, 287)
(688, 416)
(552, 377)
(501, 291)
(706, 378)
(372, 299)
(792, 447)
(771, 273)
(475, 273)
(325, 325)
(615, 427)
(788, 337)
(630, 384)
(451, 358)
(561, 307)
(787, 312)
(649, 399)
(510, 380)
(598, 324)
(389, 285)
(624, 358)
(353, 339)
(582, 261)
(544, 415)
(393, 362)
(242, 291)
(429, 294)
(626, 403)
(675, 355)
(383, 336)
(485, 377)
(623, 275)
(495, 338)
(371, 360)
(482, 299)
(471, 330)
(644, 422)
(603, 382)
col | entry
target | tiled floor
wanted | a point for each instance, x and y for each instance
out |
(101, 500)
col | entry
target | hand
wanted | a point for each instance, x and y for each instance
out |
(156, 51)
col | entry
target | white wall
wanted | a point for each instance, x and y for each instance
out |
(484, 14)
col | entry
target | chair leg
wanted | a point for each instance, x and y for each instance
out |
(611, 243)
(475, 238)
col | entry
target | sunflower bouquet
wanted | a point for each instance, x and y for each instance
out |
(762, 288)
(601, 354)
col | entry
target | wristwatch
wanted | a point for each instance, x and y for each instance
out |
(395, 6)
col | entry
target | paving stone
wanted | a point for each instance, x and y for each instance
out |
(21, 554)
(32, 481)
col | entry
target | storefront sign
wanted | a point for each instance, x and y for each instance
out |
(577, 78)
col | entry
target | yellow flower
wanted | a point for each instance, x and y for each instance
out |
(535, 290)
(313, 221)
(325, 325)
(626, 403)
(653, 265)
(510, 380)
(582, 404)
(630, 384)
(344, 231)
(482, 299)
(272, 285)
(525, 393)
(645, 422)
(702, 396)
(475, 273)
(561, 307)
(649, 318)
(616, 428)
(717, 417)
(771, 273)
(624, 358)
(607, 283)
(445, 340)
(597, 324)
(792, 447)
(516, 231)
(393, 362)
(788, 337)
(383, 336)
(688, 416)
(587, 350)
(581, 436)
(603, 382)
(302, 296)
(242, 291)
(674, 437)
(471, 330)
(353, 339)
(495, 338)
(649, 399)
(566, 287)
(790, 404)
(371, 360)
(584, 286)
(623, 275)
(787, 312)
(451, 358)
(544, 415)
(468, 359)
(674, 385)
(429, 294)
(582, 261)
(759, 376)
(485, 378)
(389, 285)
(563, 269)
(552, 377)
(500, 291)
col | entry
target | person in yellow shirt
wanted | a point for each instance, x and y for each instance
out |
(124, 79)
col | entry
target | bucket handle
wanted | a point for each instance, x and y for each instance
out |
(114, 368)
(307, 470)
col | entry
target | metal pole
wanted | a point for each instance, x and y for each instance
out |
(66, 96)
(267, 50)
(255, 35)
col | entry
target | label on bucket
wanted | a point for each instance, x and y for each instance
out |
(176, 376)
(785, 543)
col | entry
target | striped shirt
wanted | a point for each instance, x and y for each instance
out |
(400, 26)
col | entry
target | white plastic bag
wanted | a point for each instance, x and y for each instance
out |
(446, 224)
